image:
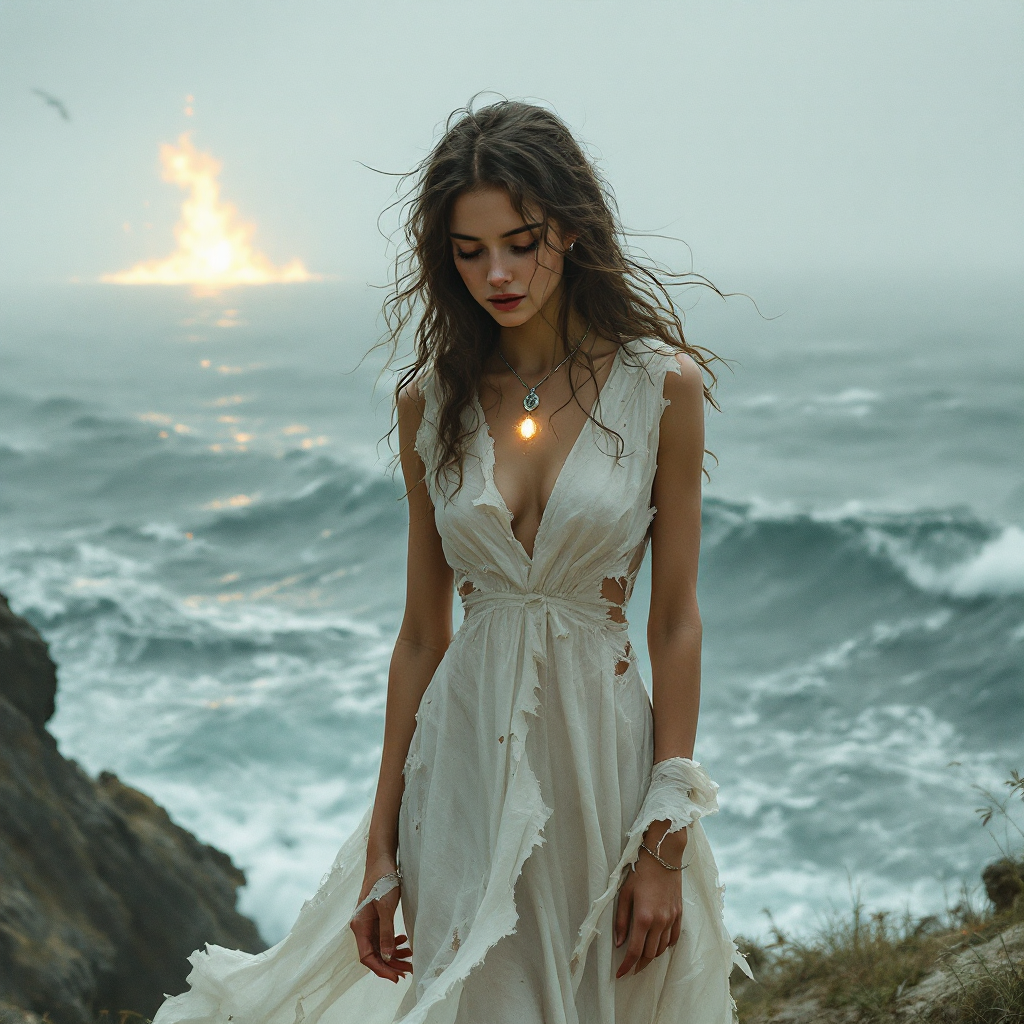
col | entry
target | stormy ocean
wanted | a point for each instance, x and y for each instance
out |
(197, 512)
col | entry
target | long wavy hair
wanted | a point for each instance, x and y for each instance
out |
(529, 153)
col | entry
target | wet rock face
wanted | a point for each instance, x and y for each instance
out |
(28, 678)
(102, 896)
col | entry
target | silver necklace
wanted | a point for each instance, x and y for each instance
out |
(532, 399)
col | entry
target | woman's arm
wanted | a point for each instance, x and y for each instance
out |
(674, 627)
(650, 901)
(423, 638)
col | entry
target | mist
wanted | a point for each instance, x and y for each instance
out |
(778, 140)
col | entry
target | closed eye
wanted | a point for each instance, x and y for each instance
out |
(517, 250)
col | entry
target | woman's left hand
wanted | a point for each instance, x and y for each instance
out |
(649, 913)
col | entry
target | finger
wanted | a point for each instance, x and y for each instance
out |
(380, 968)
(650, 950)
(386, 923)
(369, 956)
(677, 929)
(365, 929)
(364, 943)
(635, 949)
(622, 914)
(401, 967)
(663, 942)
(628, 962)
(653, 942)
(401, 961)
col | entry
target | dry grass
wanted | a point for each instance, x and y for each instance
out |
(866, 962)
(859, 961)
(862, 963)
(990, 997)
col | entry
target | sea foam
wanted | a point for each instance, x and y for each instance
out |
(996, 570)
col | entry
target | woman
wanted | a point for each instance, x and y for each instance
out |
(535, 827)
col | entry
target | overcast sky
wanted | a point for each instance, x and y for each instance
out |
(778, 135)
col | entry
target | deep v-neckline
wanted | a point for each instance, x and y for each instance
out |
(488, 463)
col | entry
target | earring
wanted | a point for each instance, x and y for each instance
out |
(571, 244)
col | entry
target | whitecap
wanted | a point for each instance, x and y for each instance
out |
(995, 570)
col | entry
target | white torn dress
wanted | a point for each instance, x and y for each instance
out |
(529, 781)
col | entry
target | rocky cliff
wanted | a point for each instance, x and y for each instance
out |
(102, 896)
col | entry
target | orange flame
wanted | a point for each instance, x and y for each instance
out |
(214, 245)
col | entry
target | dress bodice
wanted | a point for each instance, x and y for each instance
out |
(596, 521)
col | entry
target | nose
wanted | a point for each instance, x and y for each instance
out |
(497, 273)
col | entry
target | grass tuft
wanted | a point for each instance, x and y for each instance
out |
(863, 964)
(997, 997)
(859, 960)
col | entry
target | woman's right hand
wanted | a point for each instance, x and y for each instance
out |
(374, 928)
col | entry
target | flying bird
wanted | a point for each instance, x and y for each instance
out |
(52, 101)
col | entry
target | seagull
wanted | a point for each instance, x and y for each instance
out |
(52, 101)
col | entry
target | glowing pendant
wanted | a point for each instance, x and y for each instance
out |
(527, 428)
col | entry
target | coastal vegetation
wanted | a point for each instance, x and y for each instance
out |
(965, 966)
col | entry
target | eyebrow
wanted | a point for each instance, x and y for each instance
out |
(507, 234)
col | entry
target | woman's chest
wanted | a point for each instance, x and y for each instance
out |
(598, 497)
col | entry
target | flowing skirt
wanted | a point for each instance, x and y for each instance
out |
(528, 786)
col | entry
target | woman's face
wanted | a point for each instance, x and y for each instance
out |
(507, 267)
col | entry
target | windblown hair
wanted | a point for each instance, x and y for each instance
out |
(528, 152)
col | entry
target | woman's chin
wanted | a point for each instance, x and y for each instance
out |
(512, 317)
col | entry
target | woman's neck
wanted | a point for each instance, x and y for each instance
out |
(535, 347)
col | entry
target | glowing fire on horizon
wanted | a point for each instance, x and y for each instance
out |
(214, 245)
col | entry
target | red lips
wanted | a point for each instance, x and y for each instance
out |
(505, 303)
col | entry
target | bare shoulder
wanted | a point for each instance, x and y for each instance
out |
(684, 379)
(684, 383)
(681, 441)
(410, 405)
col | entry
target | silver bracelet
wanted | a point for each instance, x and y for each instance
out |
(664, 863)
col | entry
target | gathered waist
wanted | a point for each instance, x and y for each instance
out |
(591, 611)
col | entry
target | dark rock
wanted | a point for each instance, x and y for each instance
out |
(16, 1015)
(28, 678)
(1003, 883)
(102, 896)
